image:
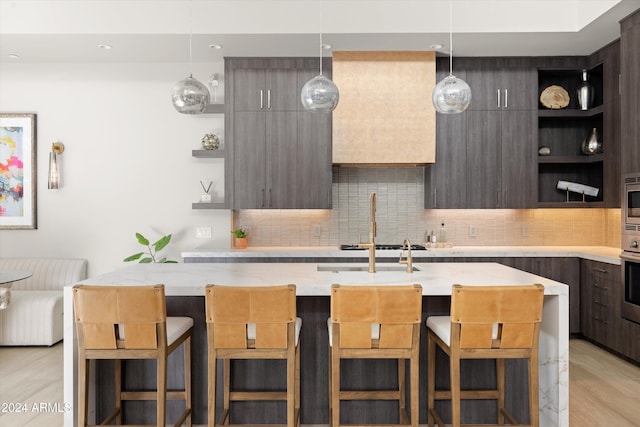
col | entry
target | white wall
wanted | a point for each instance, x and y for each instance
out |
(127, 165)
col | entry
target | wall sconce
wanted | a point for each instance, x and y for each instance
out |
(54, 171)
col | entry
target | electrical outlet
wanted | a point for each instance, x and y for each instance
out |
(203, 232)
(472, 231)
(317, 230)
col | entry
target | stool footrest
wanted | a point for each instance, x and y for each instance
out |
(257, 395)
(369, 395)
(151, 395)
(467, 394)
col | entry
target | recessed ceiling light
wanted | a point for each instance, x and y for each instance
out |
(326, 46)
(215, 46)
(105, 46)
(436, 46)
(13, 56)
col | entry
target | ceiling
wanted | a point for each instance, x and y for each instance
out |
(159, 31)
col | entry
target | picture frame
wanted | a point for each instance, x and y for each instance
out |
(18, 171)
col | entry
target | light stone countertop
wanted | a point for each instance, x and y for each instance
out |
(594, 253)
(190, 279)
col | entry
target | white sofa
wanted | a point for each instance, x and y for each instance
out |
(35, 313)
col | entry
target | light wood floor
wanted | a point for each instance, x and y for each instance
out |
(604, 390)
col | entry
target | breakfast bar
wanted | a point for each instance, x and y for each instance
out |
(185, 286)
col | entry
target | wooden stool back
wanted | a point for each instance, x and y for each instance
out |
(517, 312)
(103, 313)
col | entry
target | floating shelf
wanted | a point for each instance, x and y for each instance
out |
(596, 204)
(572, 159)
(208, 153)
(200, 205)
(571, 113)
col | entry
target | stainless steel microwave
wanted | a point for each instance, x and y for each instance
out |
(631, 200)
(631, 213)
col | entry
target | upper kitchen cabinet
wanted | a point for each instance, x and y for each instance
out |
(563, 128)
(484, 156)
(385, 116)
(630, 103)
(278, 154)
(500, 83)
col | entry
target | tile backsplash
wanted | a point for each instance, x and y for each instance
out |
(400, 214)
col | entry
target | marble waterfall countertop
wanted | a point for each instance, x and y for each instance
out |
(595, 253)
(190, 279)
(436, 278)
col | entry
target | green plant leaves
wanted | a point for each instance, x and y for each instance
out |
(160, 244)
(153, 250)
(133, 257)
(142, 240)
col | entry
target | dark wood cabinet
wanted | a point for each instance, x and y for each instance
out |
(601, 300)
(630, 99)
(484, 155)
(279, 154)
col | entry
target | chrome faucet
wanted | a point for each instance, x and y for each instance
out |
(409, 260)
(371, 244)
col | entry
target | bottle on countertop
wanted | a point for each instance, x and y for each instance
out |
(427, 237)
(442, 234)
(434, 239)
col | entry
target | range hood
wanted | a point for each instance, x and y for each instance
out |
(385, 116)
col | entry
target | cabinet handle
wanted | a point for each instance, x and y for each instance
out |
(269, 101)
(498, 98)
(435, 198)
(600, 270)
(604, 288)
(261, 101)
(601, 304)
(270, 198)
(263, 197)
(506, 98)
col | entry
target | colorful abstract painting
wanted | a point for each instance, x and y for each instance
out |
(17, 171)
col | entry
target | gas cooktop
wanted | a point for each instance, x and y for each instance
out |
(355, 247)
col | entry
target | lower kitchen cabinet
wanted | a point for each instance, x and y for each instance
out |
(602, 322)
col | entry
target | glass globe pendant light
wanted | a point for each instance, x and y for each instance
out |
(189, 96)
(320, 94)
(451, 95)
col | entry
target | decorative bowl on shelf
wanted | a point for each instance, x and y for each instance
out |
(554, 97)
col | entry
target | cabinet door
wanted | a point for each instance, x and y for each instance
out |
(518, 83)
(519, 180)
(281, 87)
(314, 178)
(484, 79)
(446, 179)
(249, 189)
(281, 166)
(249, 86)
(567, 271)
(483, 159)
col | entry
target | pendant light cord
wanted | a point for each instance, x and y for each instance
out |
(190, 38)
(320, 37)
(450, 37)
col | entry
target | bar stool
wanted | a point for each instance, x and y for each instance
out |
(253, 323)
(486, 322)
(375, 322)
(130, 322)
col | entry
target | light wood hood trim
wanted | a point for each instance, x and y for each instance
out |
(385, 114)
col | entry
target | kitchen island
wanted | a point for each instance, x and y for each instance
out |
(185, 285)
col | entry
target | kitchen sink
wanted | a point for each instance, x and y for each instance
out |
(339, 268)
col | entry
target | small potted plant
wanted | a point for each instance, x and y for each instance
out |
(240, 238)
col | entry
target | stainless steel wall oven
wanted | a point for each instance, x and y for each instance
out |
(631, 247)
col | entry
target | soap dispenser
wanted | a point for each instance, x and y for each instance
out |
(442, 234)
